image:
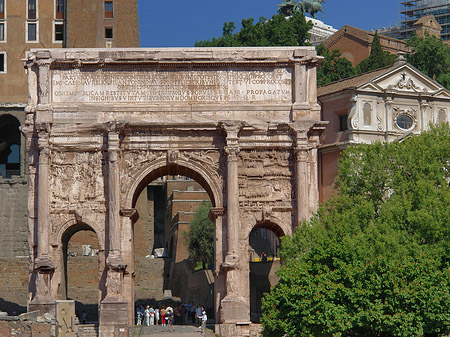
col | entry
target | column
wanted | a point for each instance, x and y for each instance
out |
(114, 258)
(234, 306)
(314, 180)
(43, 266)
(301, 175)
(128, 217)
(113, 308)
(302, 186)
(43, 259)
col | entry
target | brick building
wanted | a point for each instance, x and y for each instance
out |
(26, 24)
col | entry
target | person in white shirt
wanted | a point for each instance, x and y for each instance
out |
(204, 319)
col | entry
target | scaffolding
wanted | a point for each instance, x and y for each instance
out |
(413, 10)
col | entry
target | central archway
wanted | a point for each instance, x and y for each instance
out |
(173, 264)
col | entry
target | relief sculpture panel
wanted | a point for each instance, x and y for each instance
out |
(76, 178)
(265, 178)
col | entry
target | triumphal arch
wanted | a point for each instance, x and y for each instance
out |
(103, 123)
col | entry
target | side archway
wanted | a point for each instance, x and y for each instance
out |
(264, 260)
(81, 260)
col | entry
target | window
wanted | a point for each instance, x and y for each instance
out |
(108, 9)
(2, 31)
(404, 122)
(343, 122)
(367, 110)
(32, 9)
(2, 62)
(59, 9)
(59, 32)
(442, 116)
(2, 9)
(9, 146)
(108, 33)
(32, 32)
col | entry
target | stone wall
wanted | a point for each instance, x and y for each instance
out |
(13, 217)
(16, 328)
(13, 285)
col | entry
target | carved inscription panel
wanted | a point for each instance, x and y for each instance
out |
(149, 85)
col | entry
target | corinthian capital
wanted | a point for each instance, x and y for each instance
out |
(232, 153)
(231, 128)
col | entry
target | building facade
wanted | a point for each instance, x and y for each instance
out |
(355, 44)
(413, 10)
(26, 24)
(382, 105)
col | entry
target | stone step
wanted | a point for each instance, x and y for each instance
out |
(88, 330)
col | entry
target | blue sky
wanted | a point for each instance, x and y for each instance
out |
(178, 23)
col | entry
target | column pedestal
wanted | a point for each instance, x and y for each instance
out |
(113, 318)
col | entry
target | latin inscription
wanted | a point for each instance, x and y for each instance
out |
(158, 86)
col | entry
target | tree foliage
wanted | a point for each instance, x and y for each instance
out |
(200, 237)
(278, 31)
(378, 58)
(374, 261)
(334, 67)
(431, 56)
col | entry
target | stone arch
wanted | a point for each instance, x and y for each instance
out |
(159, 168)
(262, 266)
(207, 177)
(66, 232)
(71, 226)
(269, 224)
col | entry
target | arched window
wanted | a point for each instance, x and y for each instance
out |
(367, 110)
(442, 116)
(9, 146)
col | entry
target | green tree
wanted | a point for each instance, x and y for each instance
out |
(378, 58)
(431, 56)
(278, 31)
(200, 237)
(373, 261)
(334, 67)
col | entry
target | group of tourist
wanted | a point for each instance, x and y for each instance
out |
(168, 316)
(155, 316)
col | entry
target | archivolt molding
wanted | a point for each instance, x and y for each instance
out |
(94, 221)
(201, 162)
(251, 218)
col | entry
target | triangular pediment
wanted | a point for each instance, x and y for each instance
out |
(404, 78)
(370, 86)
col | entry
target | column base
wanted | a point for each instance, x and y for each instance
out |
(113, 318)
(234, 309)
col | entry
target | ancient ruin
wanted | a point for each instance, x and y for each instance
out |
(103, 123)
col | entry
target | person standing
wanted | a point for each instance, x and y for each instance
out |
(198, 314)
(170, 318)
(204, 319)
(156, 315)
(147, 316)
(152, 316)
(163, 316)
(140, 312)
